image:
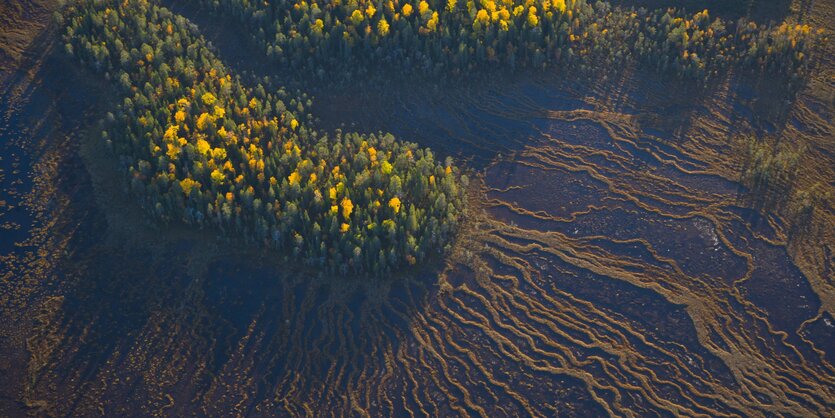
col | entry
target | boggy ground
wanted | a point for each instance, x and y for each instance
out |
(610, 264)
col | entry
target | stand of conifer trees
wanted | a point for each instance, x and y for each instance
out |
(438, 37)
(201, 147)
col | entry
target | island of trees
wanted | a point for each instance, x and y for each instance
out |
(202, 147)
(440, 37)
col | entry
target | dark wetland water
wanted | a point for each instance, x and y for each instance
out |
(611, 264)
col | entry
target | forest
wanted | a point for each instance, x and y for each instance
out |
(199, 146)
(439, 37)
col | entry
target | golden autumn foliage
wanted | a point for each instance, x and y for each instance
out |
(203, 121)
(347, 207)
(432, 23)
(482, 17)
(423, 6)
(317, 26)
(357, 17)
(533, 19)
(173, 151)
(394, 204)
(171, 133)
(386, 167)
(209, 99)
(383, 27)
(217, 176)
(188, 185)
(203, 146)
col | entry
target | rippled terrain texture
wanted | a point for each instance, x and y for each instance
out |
(611, 262)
